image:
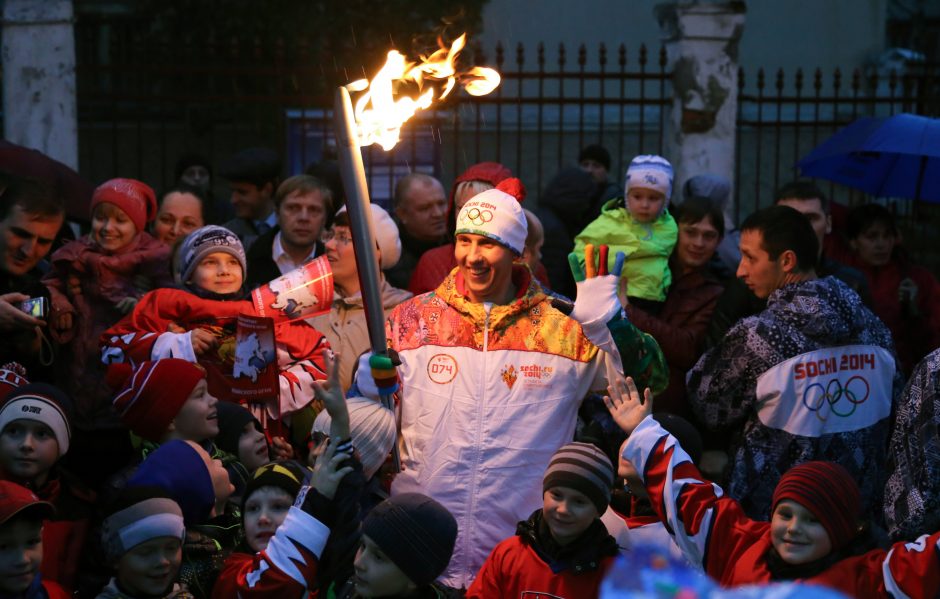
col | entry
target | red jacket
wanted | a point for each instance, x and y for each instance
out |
(63, 536)
(145, 334)
(286, 568)
(713, 531)
(515, 570)
(680, 329)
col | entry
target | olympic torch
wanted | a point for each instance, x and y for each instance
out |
(378, 116)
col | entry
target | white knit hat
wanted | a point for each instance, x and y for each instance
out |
(497, 215)
(372, 428)
(650, 172)
(386, 236)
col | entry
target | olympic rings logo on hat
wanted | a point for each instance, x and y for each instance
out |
(477, 217)
(816, 397)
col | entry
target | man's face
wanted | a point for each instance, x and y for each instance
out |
(423, 210)
(301, 216)
(597, 170)
(250, 201)
(486, 267)
(196, 176)
(762, 275)
(25, 239)
(813, 210)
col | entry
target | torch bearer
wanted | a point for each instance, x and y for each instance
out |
(378, 118)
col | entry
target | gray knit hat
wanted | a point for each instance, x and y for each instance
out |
(139, 514)
(582, 467)
(202, 242)
(415, 532)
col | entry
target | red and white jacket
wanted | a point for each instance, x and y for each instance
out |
(713, 531)
(286, 568)
(515, 570)
(144, 335)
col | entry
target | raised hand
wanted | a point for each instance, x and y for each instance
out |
(327, 473)
(627, 407)
(596, 302)
(330, 392)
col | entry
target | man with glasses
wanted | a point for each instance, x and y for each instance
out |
(345, 324)
(303, 206)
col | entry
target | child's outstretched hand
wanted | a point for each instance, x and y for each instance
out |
(625, 404)
(327, 473)
(330, 393)
(203, 341)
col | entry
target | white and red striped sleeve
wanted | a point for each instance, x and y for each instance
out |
(710, 529)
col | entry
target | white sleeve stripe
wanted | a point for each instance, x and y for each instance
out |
(891, 585)
(303, 529)
(173, 345)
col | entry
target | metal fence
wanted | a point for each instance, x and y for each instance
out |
(144, 103)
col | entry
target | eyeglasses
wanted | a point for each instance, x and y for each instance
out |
(340, 238)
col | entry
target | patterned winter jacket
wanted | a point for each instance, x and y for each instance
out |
(812, 377)
(912, 494)
(488, 396)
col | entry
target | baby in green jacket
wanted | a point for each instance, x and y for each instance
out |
(639, 226)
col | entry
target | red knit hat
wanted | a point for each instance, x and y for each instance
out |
(134, 197)
(151, 396)
(828, 491)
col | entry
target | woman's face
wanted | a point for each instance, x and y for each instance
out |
(875, 244)
(179, 215)
(697, 243)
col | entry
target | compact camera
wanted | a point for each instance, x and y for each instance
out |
(35, 306)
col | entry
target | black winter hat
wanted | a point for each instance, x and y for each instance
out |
(232, 421)
(287, 475)
(596, 152)
(415, 532)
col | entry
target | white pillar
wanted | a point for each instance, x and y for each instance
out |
(702, 39)
(39, 77)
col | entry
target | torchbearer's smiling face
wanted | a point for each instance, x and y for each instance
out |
(486, 267)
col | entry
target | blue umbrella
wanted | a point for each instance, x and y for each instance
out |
(896, 156)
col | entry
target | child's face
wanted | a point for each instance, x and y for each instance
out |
(253, 448)
(645, 204)
(150, 568)
(20, 554)
(111, 228)
(568, 513)
(28, 449)
(376, 575)
(198, 418)
(797, 535)
(265, 509)
(218, 272)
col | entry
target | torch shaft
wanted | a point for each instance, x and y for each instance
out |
(360, 218)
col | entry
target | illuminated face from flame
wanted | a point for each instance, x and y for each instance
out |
(380, 114)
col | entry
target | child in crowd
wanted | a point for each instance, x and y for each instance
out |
(639, 226)
(197, 323)
(815, 534)
(142, 536)
(630, 518)
(35, 432)
(21, 518)
(373, 431)
(201, 487)
(563, 549)
(241, 435)
(96, 280)
(275, 531)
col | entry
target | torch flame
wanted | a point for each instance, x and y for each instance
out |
(381, 111)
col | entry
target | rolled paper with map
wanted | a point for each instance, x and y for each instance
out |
(304, 292)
